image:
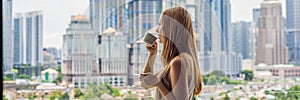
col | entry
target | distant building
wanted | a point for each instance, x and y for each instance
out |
(240, 38)
(79, 65)
(271, 47)
(113, 57)
(49, 61)
(255, 15)
(49, 74)
(248, 64)
(279, 71)
(28, 44)
(7, 38)
(293, 30)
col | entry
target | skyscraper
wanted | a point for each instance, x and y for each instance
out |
(222, 11)
(293, 30)
(108, 13)
(255, 15)
(240, 38)
(143, 15)
(271, 45)
(28, 40)
(7, 38)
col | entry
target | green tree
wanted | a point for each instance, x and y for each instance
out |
(31, 96)
(226, 97)
(212, 80)
(23, 76)
(78, 93)
(248, 75)
(57, 94)
(218, 73)
(4, 98)
(253, 98)
(59, 69)
(293, 93)
(65, 96)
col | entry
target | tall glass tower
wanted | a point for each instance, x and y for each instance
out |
(7, 38)
(293, 30)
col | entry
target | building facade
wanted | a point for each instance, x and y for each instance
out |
(240, 38)
(79, 52)
(255, 15)
(293, 30)
(109, 13)
(7, 38)
(28, 41)
(279, 71)
(113, 57)
(271, 45)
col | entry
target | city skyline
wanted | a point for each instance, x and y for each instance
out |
(53, 12)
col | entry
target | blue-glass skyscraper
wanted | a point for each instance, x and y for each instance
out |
(293, 30)
(28, 40)
(255, 15)
(7, 38)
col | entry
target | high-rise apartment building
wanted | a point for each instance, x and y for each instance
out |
(7, 38)
(28, 41)
(271, 44)
(293, 30)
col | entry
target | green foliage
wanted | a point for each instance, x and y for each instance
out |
(56, 94)
(292, 94)
(78, 93)
(44, 81)
(59, 69)
(131, 96)
(4, 98)
(23, 76)
(7, 78)
(31, 96)
(212, 80)
(94, 91)
(226, 97)
(218, 73)
(253, 98)
(248, 75)
(58, 79)
(65, 96)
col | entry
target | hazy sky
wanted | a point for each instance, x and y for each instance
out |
(57, 14)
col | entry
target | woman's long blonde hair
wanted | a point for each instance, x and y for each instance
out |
(179, 37)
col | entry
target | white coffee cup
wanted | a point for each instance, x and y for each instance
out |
(149, 38)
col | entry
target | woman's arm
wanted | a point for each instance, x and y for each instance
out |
(150, 63)
(178, 81)
(152, 49)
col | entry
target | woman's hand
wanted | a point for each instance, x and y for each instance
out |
(152, 49)
(148, 80)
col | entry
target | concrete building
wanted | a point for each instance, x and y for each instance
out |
(8, 39)
(28, 41)
(279, 71)
(49, 74)
(271, 45)
(79, 53)
(241, 38)
(49, 61)
(293, 30)
(113, 56)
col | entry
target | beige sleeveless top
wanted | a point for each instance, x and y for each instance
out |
(164, 75)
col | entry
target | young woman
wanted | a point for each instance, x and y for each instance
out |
(180, 78)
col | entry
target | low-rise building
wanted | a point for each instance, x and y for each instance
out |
(278, 71)
(49, 74)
